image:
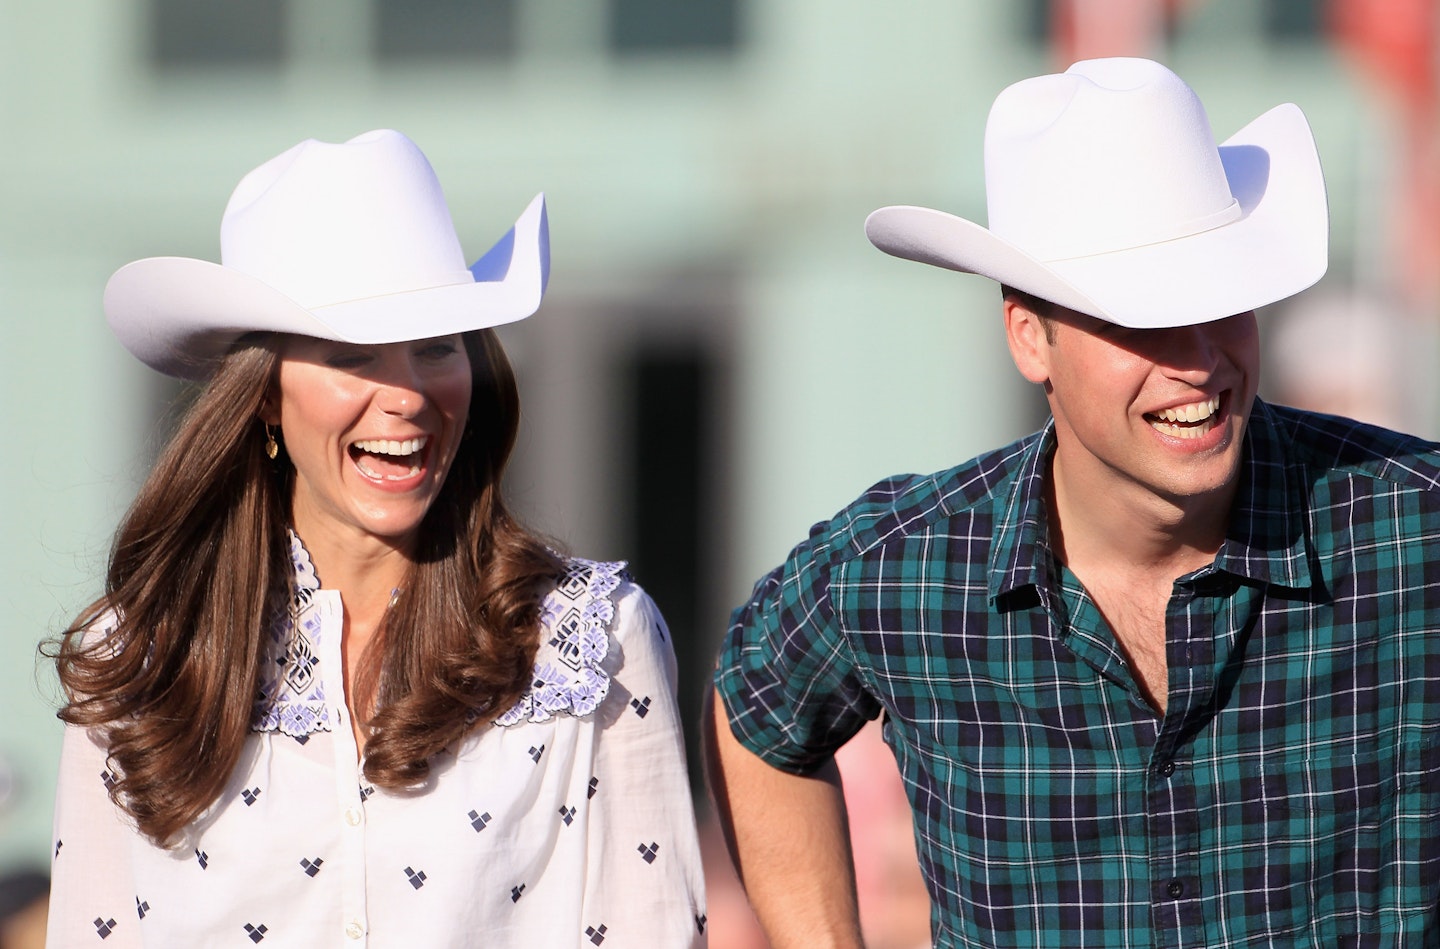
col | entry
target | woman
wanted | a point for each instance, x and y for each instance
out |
(334, 694)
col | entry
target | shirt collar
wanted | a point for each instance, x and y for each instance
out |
(1020, 553)
(1266, 540)
(305, 579)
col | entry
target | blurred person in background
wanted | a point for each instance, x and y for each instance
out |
(24, 900)
(334, 694)
(1164, 673)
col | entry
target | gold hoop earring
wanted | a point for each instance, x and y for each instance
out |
(272, 449)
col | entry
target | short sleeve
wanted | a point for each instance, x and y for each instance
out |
(92, 891)
(787, 674)
(644, 882)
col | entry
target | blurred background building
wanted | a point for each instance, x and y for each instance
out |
(722, 358)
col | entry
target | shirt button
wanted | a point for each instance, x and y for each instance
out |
(1174, 889)
(353, 930)
(353, 817)
(1166, 769)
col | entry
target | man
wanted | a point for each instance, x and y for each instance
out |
(1166, 673)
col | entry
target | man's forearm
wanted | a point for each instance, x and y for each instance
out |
(789, 840)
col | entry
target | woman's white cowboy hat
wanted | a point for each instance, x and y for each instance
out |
(1107, 194)
(350, 242)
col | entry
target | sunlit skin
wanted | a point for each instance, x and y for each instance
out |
(1118, 461)
(1149, 434)
(336, 397)
(347, 414)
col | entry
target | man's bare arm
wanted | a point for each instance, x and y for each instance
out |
(789, 839)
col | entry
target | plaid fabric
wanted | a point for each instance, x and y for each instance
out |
(1290, 796)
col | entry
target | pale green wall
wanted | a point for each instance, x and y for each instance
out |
(763, 166)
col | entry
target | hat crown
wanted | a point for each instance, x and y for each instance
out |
(331, 223)
(1111, 155)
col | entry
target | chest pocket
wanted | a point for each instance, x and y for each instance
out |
(1345, 845)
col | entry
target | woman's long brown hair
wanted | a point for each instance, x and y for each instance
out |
(201, 562)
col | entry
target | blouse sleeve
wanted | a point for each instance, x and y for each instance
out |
(92, 891)
(644, 856)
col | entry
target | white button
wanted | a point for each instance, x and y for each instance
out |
(353, 817)
(354, 930)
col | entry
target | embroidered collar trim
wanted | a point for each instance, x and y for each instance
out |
(569, 677)
(574, 640)
(291, 697)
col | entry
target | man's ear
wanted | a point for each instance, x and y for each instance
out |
(1029, 345)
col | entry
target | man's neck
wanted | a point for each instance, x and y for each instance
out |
(1100, 519)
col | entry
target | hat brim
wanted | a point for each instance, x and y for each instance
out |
(1276, 248)
(180, 315)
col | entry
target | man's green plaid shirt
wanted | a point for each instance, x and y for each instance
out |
(1290, 795)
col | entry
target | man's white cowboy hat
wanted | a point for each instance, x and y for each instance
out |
(350, 242)
(1107, 194)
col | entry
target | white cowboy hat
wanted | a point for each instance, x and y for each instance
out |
(349, 242)
(1107, 194)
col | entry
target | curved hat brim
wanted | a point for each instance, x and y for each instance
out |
(1275, 249)
(179, 315)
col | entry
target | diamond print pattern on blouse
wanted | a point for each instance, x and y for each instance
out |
(641, 706)
(203, 858)
(480, 821)
(596, 934)
(104, 927)
(141, 907)
(109, 779)
(594, 786)
(535, 753)
(516, 892)
(256, 933)
(649, 851)
(250, 796)
(567, 814)
(416, 877)
(311, 867)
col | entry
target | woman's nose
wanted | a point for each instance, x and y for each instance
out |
(400, 392)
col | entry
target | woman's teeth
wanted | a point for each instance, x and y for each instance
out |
(386, 446)
(386, 459)
(1186, 421)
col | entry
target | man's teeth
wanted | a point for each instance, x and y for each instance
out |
(386, 446)
(1194, 412)
(1187, 421)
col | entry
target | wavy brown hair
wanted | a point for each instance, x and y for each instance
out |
(201, 563)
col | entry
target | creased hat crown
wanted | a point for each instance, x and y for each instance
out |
(1107, 194)
(326, 223)
(1077, 164)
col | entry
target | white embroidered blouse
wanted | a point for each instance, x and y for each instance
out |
(566, 823)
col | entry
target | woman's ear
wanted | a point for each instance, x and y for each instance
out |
(269, 410)
(1029, 341)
